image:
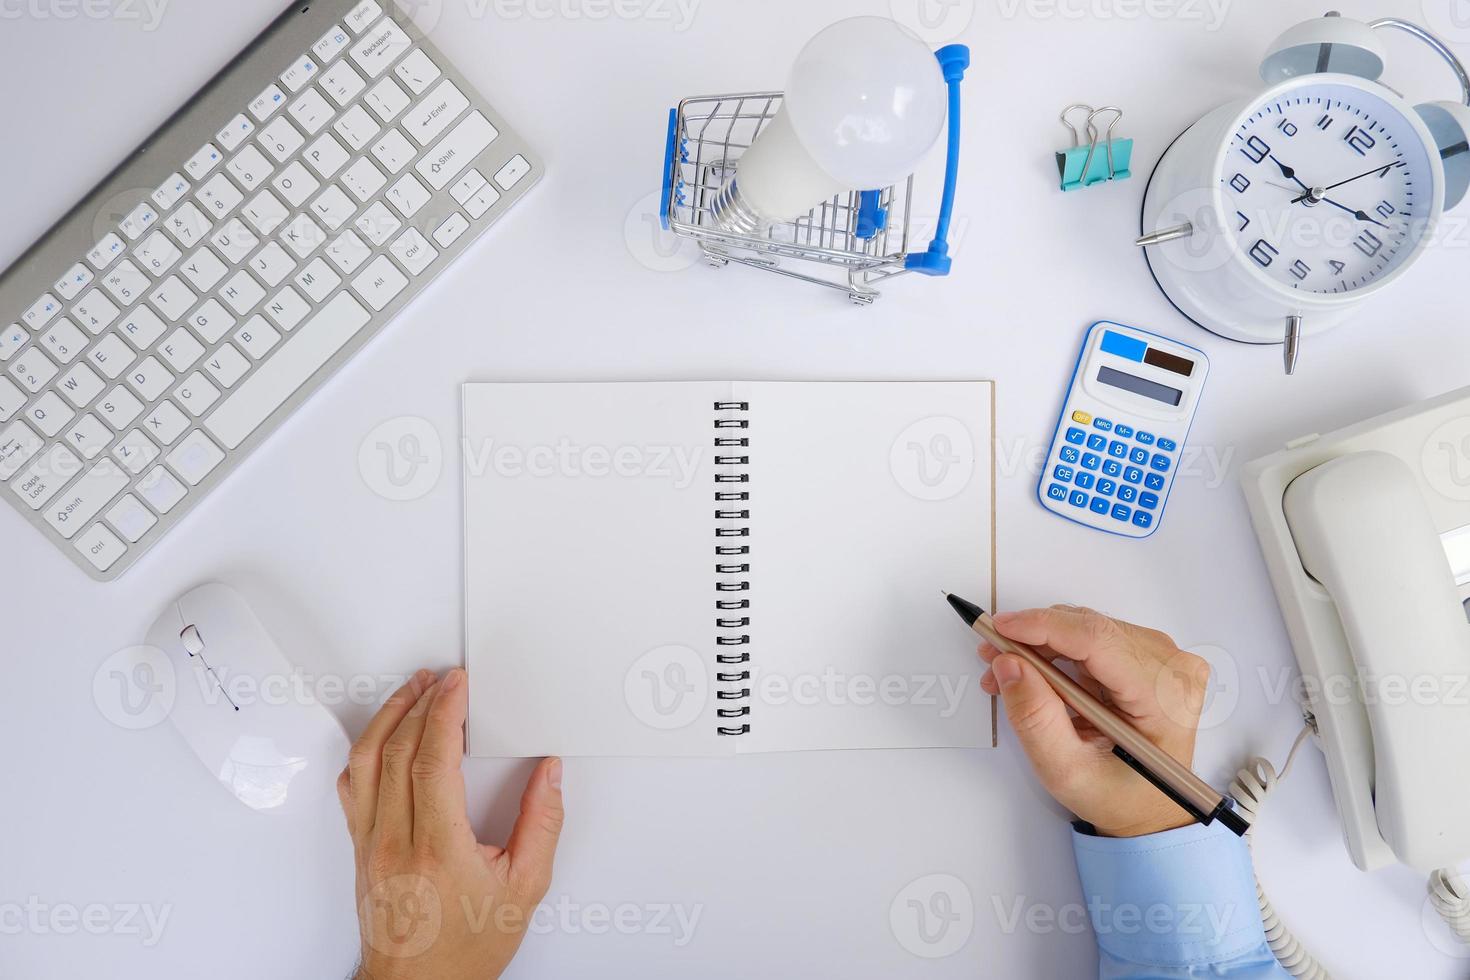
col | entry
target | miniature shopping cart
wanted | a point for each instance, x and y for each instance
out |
(851, 242)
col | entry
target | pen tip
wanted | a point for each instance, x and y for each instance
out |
(944, 593)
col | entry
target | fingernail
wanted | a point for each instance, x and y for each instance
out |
(987, 683)
(421, 677)
(553, 775)
(1006, 670)
(453, 678)
(422, 704)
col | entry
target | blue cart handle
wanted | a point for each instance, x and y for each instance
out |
(935, 261)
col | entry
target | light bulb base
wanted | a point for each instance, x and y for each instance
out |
(732, 213)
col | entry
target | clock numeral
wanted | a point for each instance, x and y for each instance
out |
(1240, 182)
(1256, 149)
(1368, 243)
(1244, 221)
(1360, 140)
(1300, 269)
(1337, 266)
(1287, 126)
(1386, 210)
(1264, 253)
(1325, 123)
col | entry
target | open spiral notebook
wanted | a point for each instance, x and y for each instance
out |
(713, 568)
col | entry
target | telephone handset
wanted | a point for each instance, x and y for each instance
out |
(1365, 534)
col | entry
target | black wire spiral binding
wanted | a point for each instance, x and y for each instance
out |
(735, 644)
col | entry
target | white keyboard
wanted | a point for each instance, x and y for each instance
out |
(254, 243)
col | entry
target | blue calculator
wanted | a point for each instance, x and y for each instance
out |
(1118, 442)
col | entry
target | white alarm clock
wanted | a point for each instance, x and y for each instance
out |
(1276, 217)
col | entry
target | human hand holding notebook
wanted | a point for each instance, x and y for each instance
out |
(712, 568)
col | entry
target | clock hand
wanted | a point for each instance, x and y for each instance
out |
(1290, 174)
(1360, 215)
(1366, 173)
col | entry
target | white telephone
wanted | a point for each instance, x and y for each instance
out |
(1366, 534)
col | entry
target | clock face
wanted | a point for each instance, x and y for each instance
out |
(1327, 188)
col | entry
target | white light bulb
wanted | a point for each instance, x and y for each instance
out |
(864, 103)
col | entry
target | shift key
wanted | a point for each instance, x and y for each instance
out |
(72, 511)
(457, 150)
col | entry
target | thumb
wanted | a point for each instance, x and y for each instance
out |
(1039, 719)
(532, 845)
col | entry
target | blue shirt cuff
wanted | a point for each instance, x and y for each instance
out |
(1177, 899)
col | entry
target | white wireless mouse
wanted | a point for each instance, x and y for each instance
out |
(240, 707)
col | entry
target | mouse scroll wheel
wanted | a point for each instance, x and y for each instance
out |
(193, 642)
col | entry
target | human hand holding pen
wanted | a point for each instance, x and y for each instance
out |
(1139, 672)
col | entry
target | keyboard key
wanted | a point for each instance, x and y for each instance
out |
(195, 457)
(380, 283)
(181, 350)
(1056, 492)
(93, 311)
(453, 227)
(173, 190)
(1143, 519)
(1145, 438)
(69, 286)
(287, 308)
(45, 477)
(278, 377)
(161, 489)
(172, 298)
(510, 174)
(18, 444)
(356, 127)
(1121, 512)
(142, 327)
(408, 195)
(119, 407)
(302, 236)
(111, 356)
(333, 207)
(300, 74)
(363, 15)
(387, 100)
(205, 159)
(187, 225)
(456, 151)
(157, 254)
(219, 196)
(342, 83)
(1091, 461)
(242, 292)
(413, 251)
(312, 111)
(265, 213)
(433, 115)
(378, 224)
(264, 105)
(1102, 425)
(80, 385)
(135, 451)
(318, 280)
(100, 546)
(281, 140)
(165, 423)
(63, 341)
(376, 50)
(348, 252)
(227, 365)
(418, 71)
(257, 337)
(211, 321)
(12, 399)
(234, 134)
(1154, 482)
(102, 254)
(12, 339)
(331, 44)
(1077, 499)
(394, 151)
(204, 270)
(1097, 442)
(1148, 501)
(89, 437)
(483, 201)
(250, 168)
(272, 265)
(1099, 505)
(196, 394)
(41, 312)
(71, 511)
(131, 518)
(1160, 463)
(466, 186)
(1133, 474)
(50, 414)
(139, 220)
(33, 370)
(149, 378)
(1085, 481)
(363, 179)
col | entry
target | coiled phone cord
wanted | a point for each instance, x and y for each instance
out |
(1252, 784)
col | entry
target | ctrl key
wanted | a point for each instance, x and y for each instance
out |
(100, 547)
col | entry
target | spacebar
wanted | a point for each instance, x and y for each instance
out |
(283, 372)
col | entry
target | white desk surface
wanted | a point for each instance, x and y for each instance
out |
(790, 862)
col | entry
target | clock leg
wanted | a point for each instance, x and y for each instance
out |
(1291, 347)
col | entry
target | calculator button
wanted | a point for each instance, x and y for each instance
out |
(1143, 518)
(1111, 467)
(1123, 431)
(1160, 462)
(1127, 494)
(1097, 442)
(1117, 449)
(1106, 488)
(1081, 418)
(1062, 474)
(1145, 438)
(1099, 505)
(1076, 436)
(1154, 482)
(1168, 445)
(1085, 480)
(1069, 454)
(1091, 462)
(1056, 492)
(1102, 425)
(1078, 499)
(1138, 455)
(1121, 512)
(1148, 501)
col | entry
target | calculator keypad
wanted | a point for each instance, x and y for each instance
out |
(1111, 470)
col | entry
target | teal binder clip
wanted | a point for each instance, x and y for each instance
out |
(1082, 166)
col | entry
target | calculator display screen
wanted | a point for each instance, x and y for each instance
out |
(1140, 386)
